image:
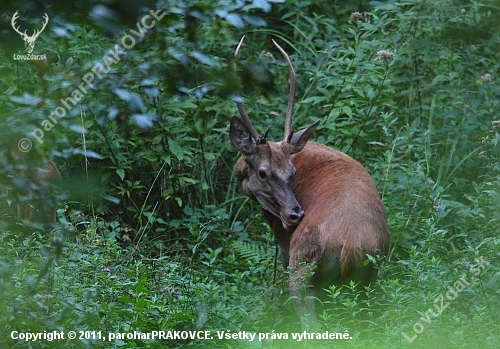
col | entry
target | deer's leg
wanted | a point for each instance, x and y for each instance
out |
(303, 295)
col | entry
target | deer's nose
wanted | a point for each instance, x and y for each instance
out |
(296, 214)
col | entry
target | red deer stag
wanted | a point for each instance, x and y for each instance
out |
(321, 204)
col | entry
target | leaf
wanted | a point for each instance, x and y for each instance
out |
(134, 100)
(314, 100)
(199, 124)
(150, 86)
(179, 201)
(175, 149)
(31, 281)
(370, 93)
(26, 99)
(200, 15)
(121, 173)
(202, 58)
(209, 156)
(256, 21)
(262, 4)
(179, 56)
(346, 109)
(151, 157)
(189, 180)
(152, 91)
(88, 154)
(235, 20)
(113, 112)
(112, 199)
(78, 129)
(144, 121)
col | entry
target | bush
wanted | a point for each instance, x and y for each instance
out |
(154, 233)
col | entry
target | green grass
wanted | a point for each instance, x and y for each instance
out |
(154, 232)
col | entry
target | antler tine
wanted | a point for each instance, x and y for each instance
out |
(38, 32)
(46, 20)
(291, 95)
(13, 22)
(246, 120)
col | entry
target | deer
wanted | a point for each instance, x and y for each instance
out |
(322, 205)
(29, 40)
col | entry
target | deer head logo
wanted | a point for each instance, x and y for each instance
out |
(29, 40)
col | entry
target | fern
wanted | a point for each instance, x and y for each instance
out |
(251, 252)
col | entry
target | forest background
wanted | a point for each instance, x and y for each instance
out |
(154, 232)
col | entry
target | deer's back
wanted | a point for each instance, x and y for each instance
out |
(344, 216)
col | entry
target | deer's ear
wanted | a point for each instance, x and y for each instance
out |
(299, 139)
(241, 137)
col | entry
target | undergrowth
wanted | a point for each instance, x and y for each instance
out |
(154, 233)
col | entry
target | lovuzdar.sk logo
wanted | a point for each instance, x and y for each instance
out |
(29, 40)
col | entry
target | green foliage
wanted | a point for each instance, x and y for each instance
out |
(155, 233)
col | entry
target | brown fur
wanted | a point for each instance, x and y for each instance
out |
(355, 220)
(344, 221)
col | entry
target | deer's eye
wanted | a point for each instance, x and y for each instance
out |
(262, 174)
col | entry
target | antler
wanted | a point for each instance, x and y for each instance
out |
(13, 22)
(259, 139)
(37, 32)
(291, 95)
